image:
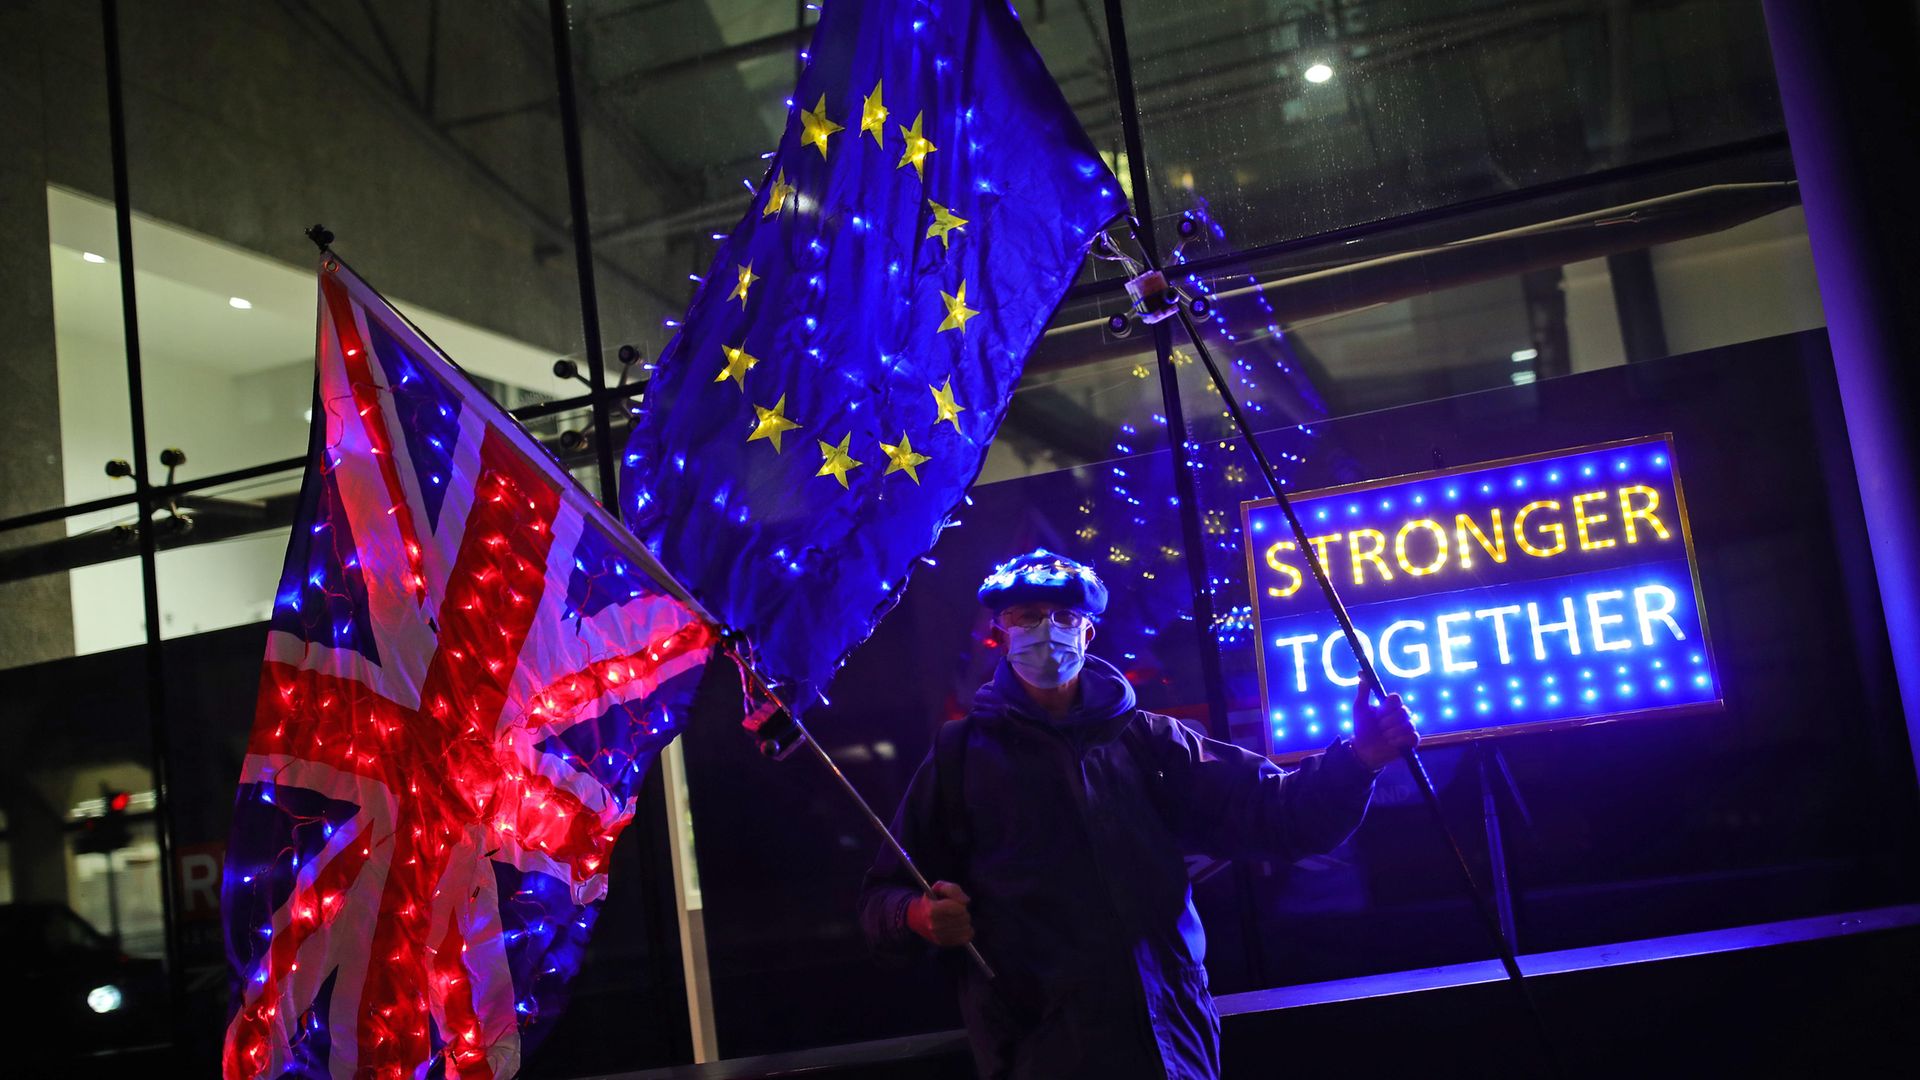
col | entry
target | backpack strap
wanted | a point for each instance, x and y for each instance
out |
(949, 782)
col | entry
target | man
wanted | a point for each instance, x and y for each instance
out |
(1055, 817)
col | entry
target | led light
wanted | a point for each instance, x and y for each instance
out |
(92, 258)
(1319, 73)
(104, 999)
(239, 303)
(1521, 356)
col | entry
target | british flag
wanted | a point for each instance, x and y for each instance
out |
(469, 668)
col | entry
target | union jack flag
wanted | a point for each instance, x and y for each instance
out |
(470, 666)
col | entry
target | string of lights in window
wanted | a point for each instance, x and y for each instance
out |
(1271, 385)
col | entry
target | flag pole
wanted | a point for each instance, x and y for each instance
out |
(820, 752)
(323, 238)
(1368, 674)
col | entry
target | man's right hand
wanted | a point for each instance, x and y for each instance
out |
(941, 916)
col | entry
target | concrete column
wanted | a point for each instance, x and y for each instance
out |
(1848, 87)
(39, 620)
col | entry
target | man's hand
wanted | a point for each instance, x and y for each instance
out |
(1380, 732)
(941, 915)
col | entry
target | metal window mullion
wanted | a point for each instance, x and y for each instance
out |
(1185, 486)
(146, 502)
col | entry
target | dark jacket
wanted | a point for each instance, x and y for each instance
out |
(1071, 849)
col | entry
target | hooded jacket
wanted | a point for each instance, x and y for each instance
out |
(1072, 850)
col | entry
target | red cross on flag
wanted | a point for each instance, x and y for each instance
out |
(469, 668)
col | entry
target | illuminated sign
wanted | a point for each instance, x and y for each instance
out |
(1545, 590)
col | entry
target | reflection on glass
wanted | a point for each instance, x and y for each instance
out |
(81, 912)
(1309, 117)
(429, 147)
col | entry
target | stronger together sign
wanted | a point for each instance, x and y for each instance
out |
(1550, 589)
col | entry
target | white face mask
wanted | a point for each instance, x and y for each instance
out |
(1047, 655)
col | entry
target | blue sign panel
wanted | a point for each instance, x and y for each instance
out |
(1547, 590)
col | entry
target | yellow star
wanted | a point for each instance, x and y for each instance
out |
(835, 461)
(946, 409)
(739, 362)
(778, 196)
(901, 457)
(944, 222)
(772, 423)
(747, 277)
(917, 147)
(815, 127)
(873, 116)
(957, 310)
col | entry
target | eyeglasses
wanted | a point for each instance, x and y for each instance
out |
(1065, 618)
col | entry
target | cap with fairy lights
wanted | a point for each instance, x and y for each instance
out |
(1040, 576)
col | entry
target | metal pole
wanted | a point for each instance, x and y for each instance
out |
(1415, 766)
(1496, 845)
(853, 793)
(583, 251)
(1184, 485)
(144, 505)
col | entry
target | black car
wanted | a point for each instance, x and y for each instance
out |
(69, 992)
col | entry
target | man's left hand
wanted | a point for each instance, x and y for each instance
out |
(1381, 732)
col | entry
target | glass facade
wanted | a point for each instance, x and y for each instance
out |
(1431, 234)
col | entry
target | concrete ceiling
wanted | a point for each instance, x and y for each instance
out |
(185, 282)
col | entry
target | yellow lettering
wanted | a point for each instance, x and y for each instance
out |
(1628, 512)
(1497, 547)
(1374, 556)
(1582, 519)
(1554, 529)
(1439, 546)
(1320, 549)
(1273, 560)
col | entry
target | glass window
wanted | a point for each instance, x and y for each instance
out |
(65, 412)
(401, 147)
(1713, 334)
(82, 923)
(1301, 118)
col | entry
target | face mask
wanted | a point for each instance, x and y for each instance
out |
(1046, 655)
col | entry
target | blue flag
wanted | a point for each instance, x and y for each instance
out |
(855, 344)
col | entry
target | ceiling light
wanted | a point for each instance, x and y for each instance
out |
(1521, 356)
(91, 257)
(1319, 73)
(1522, 378)
(237, 302)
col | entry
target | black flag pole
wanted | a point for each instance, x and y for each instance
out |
(1150, 289)
(323, 238)
(741, 657)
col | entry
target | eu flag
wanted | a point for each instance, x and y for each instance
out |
(855, 344)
